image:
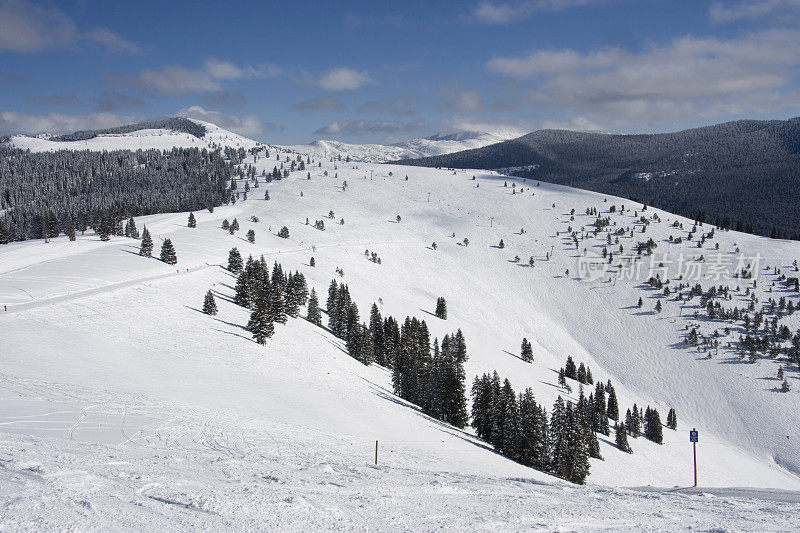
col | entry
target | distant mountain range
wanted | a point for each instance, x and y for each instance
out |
(441, 143)
(178, 132)
(744, 175)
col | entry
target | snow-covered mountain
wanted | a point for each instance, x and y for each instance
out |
(144, 139)
(165, 138)
(122, 404)
(438, 144)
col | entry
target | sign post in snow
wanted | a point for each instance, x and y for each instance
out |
(693, 438)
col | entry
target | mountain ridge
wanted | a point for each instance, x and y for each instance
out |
(707, 169)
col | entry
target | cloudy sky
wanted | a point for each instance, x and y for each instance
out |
(372, 71)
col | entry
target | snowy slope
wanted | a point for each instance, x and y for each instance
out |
(121, 403)
(159, 139)
(413, 148)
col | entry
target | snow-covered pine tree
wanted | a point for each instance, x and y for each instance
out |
(251, 235)
(209, 304)
(313, 315)
(146, 248)
(235, 261)
(168, 252)
(192, 222)
(261, 322)
(277, 303)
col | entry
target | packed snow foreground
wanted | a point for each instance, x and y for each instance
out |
(124, 406)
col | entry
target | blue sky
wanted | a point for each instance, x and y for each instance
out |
(371, 71)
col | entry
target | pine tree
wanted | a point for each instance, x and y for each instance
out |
(612, 408)
(622, 438)
(658, 306)
(130, 229)
(441, 308)
(284, 233)
(526, 351)
(640, 303)
(192, 222)
(5, 235)
(146, 249)
(168, 252)
(672, 420)
(313, 315)
(785, 387)
(652, 429)
(235, 261)
(261, 322)
(582, 373)
(209, 305)
(234, 226)
(378, 337)
(481, 406)
(570, 370)
(225, 224)
(71, 231)
(251, 235)
(312, 262)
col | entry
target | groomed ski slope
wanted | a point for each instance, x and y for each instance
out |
(122, 404)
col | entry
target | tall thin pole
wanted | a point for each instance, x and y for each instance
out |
(376, 460)
(694, 453)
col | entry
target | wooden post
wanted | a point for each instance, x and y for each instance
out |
(376, 458)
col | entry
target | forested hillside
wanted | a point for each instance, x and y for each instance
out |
(740, 175)
(172, 123)
(43, 194)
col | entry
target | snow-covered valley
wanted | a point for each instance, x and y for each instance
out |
(122, 404)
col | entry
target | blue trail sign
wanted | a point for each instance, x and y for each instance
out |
(693, 435)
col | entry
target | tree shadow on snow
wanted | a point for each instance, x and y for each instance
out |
(428, 312)
(515, 355)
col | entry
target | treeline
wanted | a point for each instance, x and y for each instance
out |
(430, 377)
(518, 427)
(180, 124)
(740, 175)
(44, 194)
(271, 297)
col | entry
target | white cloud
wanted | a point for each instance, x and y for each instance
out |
(574, 124)
(467, 100)
(177, 80)
(15, 122)
(344, 79)
(721, 13)
(359, 127)
(113, 42)
(246, 125)
(688, 77)
(507, 12)
(28, 27)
